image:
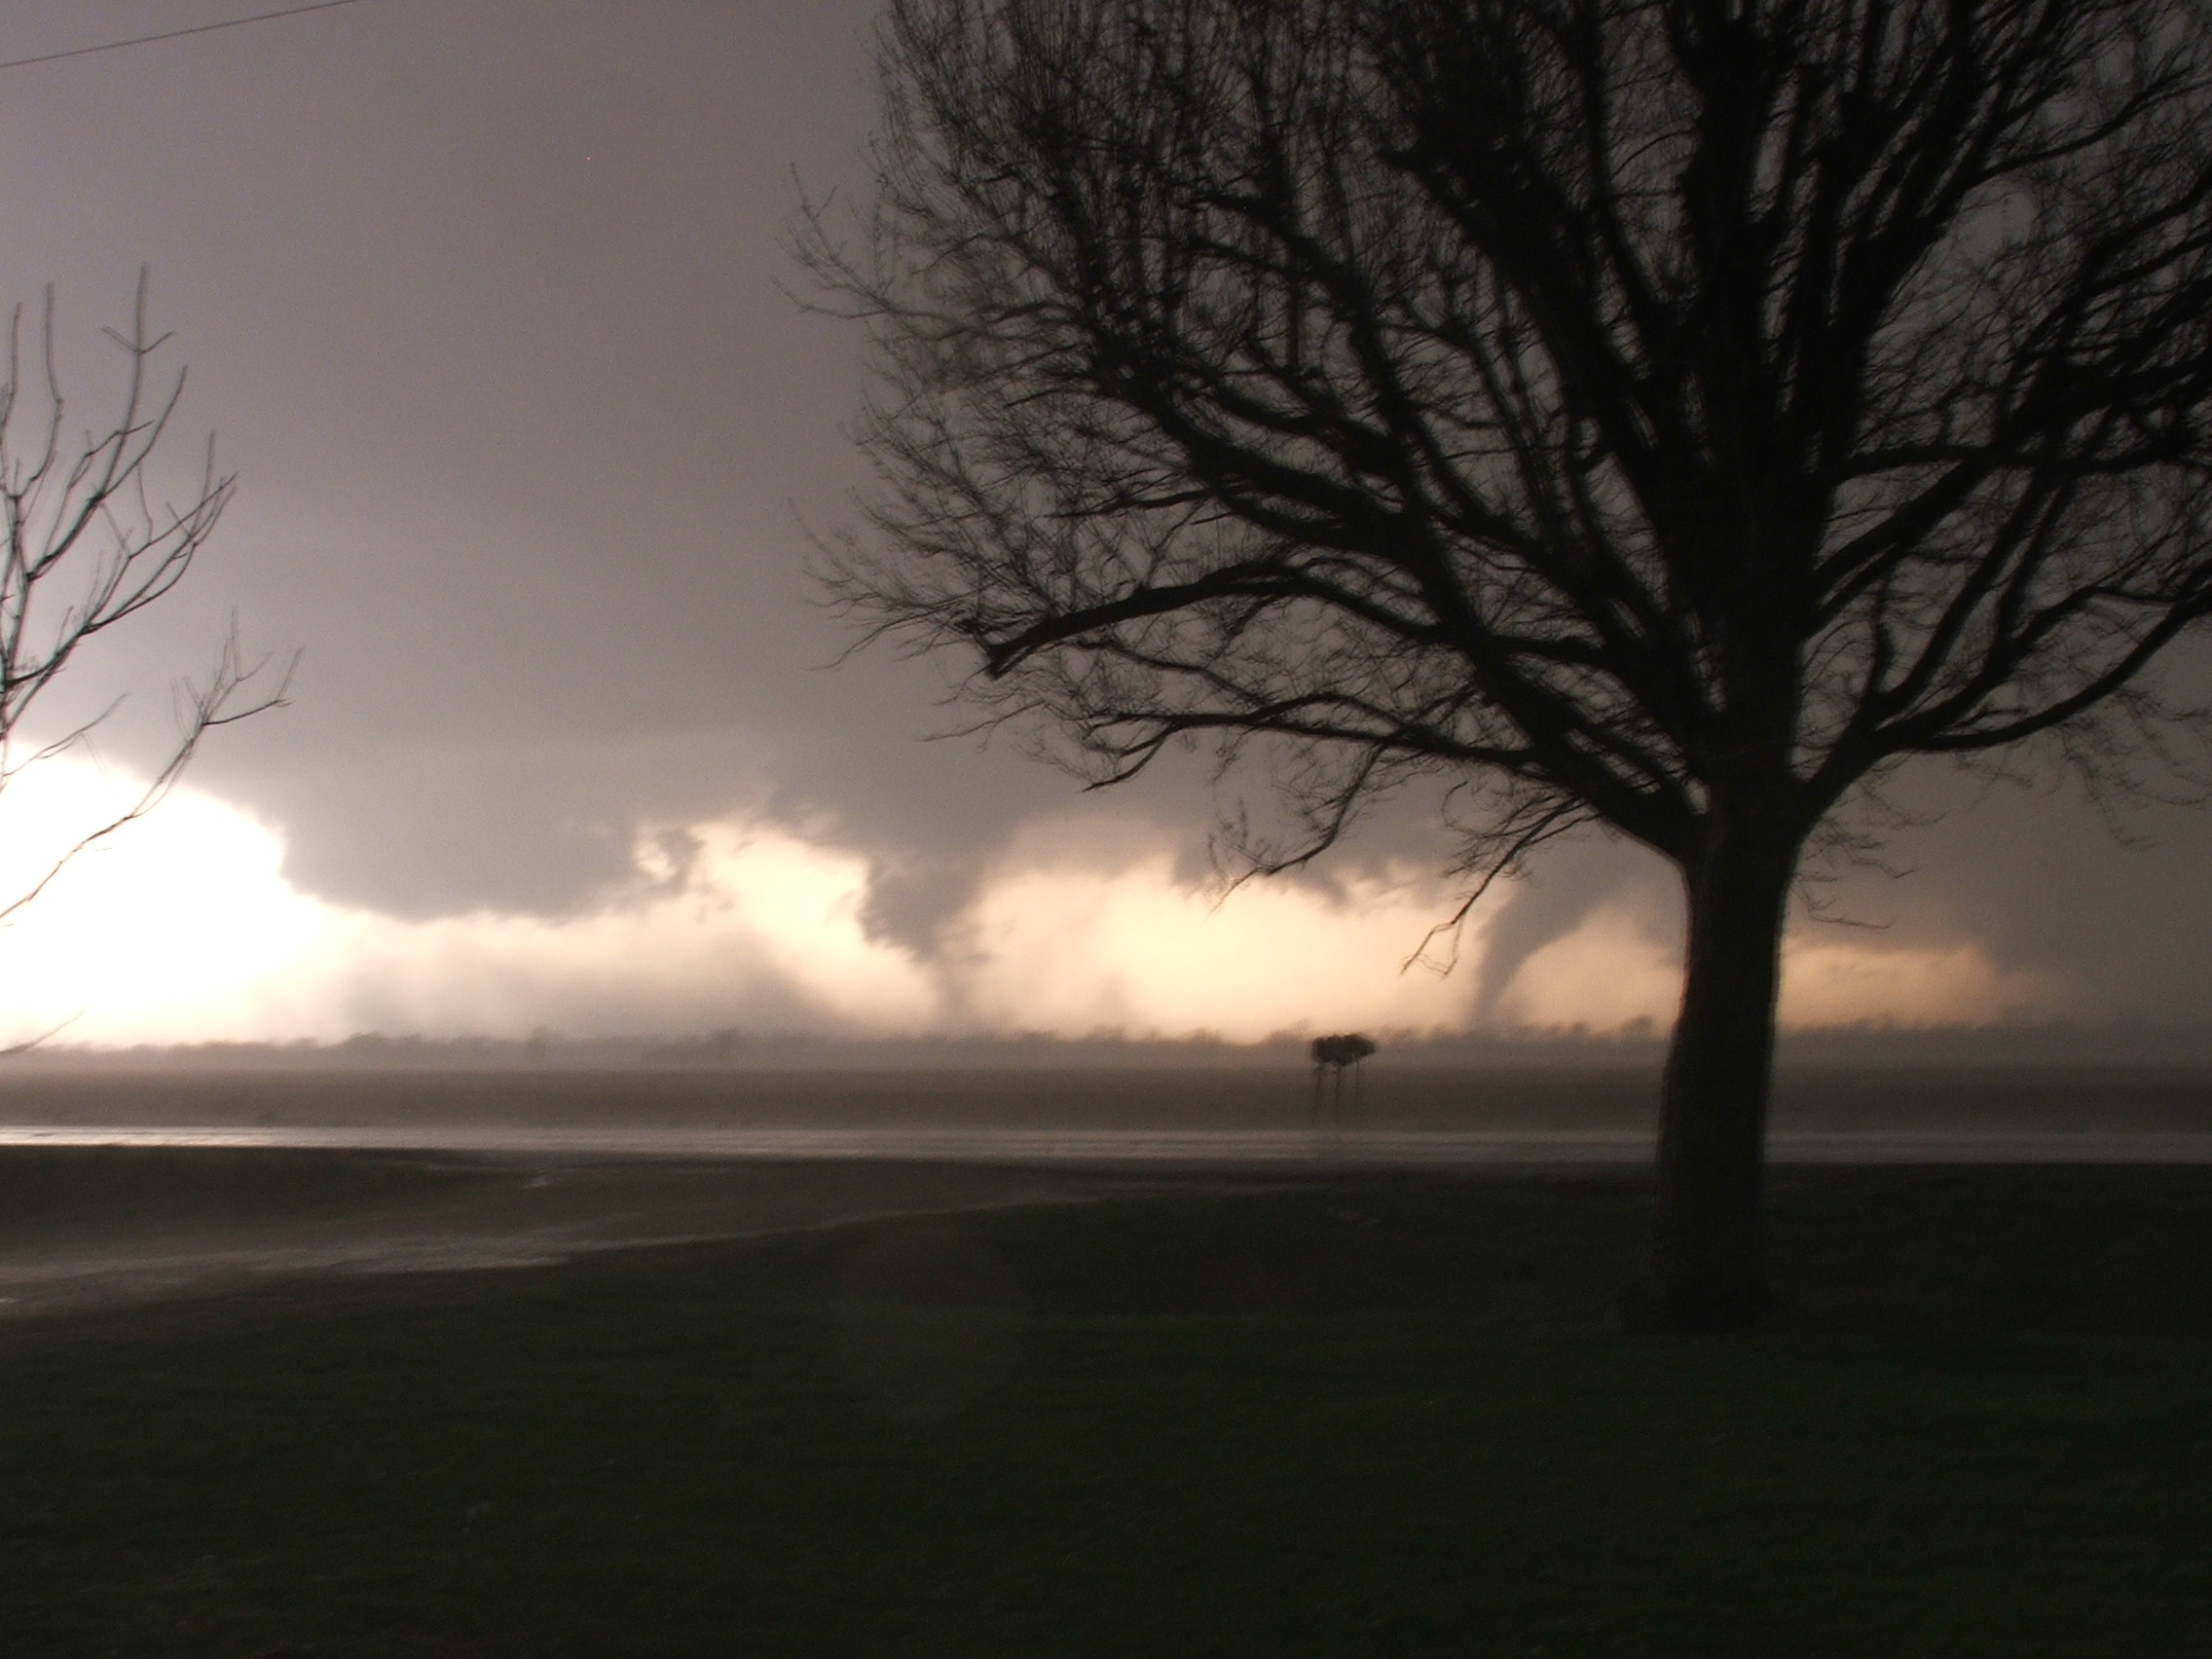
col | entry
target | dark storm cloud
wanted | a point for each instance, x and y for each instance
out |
(485, 300)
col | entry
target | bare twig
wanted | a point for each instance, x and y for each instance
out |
(85, 545)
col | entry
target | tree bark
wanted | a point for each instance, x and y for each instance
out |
(1708, 1270)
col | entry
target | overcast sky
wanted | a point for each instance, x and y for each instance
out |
(486, 301)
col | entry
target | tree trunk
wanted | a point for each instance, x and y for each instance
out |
(1707, 1268)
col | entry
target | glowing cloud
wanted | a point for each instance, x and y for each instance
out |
(1606, 974)
(1611, 970)
(1831, 981)
(153, 933)
(760, 928)
(1072, 949)
(183, 928)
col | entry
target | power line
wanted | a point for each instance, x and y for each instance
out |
(174, 34)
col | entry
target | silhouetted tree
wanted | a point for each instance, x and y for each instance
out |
(84, 546)
(1672, 414)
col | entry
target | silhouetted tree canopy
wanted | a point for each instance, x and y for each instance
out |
(1669, 412)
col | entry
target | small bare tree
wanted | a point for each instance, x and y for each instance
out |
(87, 546)
(1669, 414)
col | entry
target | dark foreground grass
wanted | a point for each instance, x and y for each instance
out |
(1374, 1417)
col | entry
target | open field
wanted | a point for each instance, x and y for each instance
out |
(85, 1227)
(1378, 1414)
(483, 1168)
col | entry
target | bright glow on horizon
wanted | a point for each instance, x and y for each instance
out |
(154, 929)
(182, 928)
(1610, 972)
(1073, 949)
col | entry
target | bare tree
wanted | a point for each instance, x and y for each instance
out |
(85, 546)
(1672, 414)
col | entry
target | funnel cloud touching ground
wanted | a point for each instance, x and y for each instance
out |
(485, 301)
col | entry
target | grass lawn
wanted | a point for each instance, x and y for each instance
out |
(1377, 1416)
